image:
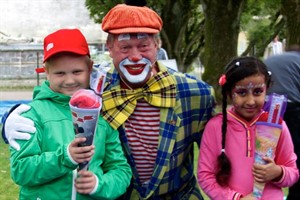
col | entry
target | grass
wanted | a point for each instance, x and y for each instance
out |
(196, 153)
(8, 190)
(16, 88)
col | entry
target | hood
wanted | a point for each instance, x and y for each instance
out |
(232, 117)
(44, 92)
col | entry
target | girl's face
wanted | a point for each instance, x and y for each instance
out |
(248, 96)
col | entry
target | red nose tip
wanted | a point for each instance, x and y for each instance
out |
(135, 59)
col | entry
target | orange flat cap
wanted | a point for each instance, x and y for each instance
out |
(131, 19)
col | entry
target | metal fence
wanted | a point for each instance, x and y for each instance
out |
(19, 61)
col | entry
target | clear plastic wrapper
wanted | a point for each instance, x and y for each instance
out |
(268, 130)
(85, 107)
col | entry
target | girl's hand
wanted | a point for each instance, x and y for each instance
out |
(85, 182)
(248, 197)
(267, 172)
(81, 154)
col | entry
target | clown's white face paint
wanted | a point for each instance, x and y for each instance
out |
(127, 36)
(248, 96)
(134, 57)
(122, 37)
(135, 72)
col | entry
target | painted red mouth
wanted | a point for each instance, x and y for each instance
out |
(135, 69)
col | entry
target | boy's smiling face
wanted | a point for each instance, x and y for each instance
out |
(68, 73)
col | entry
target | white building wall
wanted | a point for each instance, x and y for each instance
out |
(27, 20)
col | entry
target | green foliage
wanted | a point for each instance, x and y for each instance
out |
(258, 9)
(261, 21)
(99, 8)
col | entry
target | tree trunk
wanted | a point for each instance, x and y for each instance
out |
(182, 32)
(291, 10)
(222, 20)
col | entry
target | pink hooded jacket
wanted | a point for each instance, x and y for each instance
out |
(240, 148)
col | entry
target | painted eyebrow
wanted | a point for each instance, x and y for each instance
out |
(251, 86)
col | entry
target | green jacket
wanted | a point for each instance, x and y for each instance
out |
(43, 168)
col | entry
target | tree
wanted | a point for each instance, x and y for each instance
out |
(222, 27)
(291, 13)
(183, 32)
(99, 8)
(262, 21)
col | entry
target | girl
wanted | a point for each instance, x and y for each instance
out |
(226, 168)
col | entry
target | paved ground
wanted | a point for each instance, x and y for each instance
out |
(11, 93)
(15, 95)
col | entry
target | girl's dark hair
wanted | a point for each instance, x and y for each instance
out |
(235, 71)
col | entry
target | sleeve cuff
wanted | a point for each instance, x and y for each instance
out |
(281, 178)
(236, 196)
(96, 185)
(3, 120)
(70, 157)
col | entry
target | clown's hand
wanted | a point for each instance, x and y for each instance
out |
(18, 127)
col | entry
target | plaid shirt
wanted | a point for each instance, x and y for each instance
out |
(180, 127)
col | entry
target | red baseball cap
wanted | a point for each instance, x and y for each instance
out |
(65, 40)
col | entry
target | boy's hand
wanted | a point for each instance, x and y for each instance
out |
(85, 182)
(81, 154)
(268, 172)
(18, 127)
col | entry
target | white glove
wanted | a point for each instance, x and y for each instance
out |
(18, 127)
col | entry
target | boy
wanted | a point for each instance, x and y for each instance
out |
(45, 167)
